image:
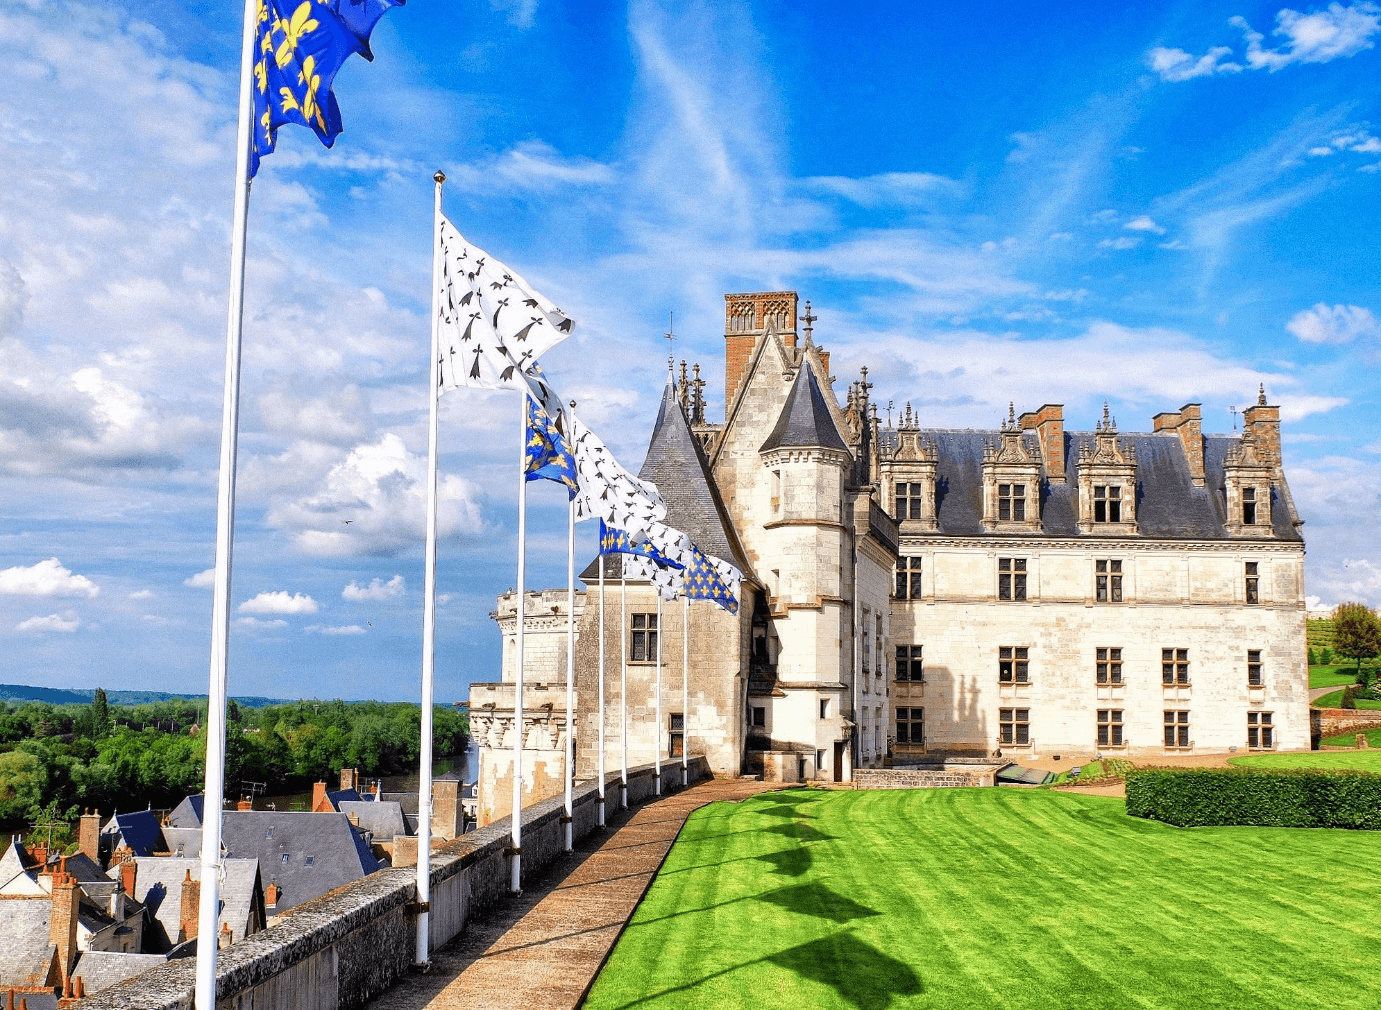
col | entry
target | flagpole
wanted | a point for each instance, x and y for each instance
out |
(685, 689)
(623, 677)
(209, 903)
(515, 881)
(599, 807)
(570, 669)
(422, 956)
(657, 772)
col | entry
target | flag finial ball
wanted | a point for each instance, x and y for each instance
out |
(573, 405)
(440, 177)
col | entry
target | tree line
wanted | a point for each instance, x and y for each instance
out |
(56, 760)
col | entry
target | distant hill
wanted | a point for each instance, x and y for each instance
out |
(82, 696)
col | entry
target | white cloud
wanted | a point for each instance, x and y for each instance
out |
(521, 13)
(141, 594)
(531, 166)
(1121, 242)
(379, 487)
(346, 629)
(1144, 223)
(46, 578)
(890, 189)
(68, 621)
(1338, 324)
(1318, 37)
(1178, 65)
(202, 580)
(279, 602)
(376, 590)
(254, 622)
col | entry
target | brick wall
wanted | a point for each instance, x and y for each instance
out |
(1333, 721)
(924, 778)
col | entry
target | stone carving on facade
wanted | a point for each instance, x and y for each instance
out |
(1107, 482)
(1247, 478)
(909, 472)
(1011, 481)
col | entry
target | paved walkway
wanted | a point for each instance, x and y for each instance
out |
(542, 950)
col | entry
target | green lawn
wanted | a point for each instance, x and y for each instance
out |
(1332, 676)
(1356, 760)
(1335, 699)
(1350, 739)
(988, 898)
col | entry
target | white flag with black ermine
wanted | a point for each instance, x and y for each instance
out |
(493, 325)
(608, 491)
(667, 581)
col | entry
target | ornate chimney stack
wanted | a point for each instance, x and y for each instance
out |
(1049, 425)
(1188, 424)
(747, 317)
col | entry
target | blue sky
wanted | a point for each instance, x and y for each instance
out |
(1154, 205)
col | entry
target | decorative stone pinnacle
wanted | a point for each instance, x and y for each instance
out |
(1261, 396)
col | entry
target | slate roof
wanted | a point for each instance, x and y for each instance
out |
(408, 801)
(338, 853)
(101, 969)
(188, 813)
(25, 953)
(1169, 506)
(12, 862)
(382, 819)
(340, 796)
(34, 1000)
(158, 884)
(139, 830)
(183, 841)
(805, 420)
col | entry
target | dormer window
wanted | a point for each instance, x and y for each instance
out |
(1249, 506)
(910, 501)
(1011, 503)
(1107, 503)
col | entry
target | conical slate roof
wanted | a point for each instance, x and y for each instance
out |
(805, 421)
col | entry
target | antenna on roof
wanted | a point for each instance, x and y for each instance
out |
(670, 336)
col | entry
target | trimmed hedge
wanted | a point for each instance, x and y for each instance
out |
(1284, 798)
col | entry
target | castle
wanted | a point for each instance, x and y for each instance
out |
(914, 593)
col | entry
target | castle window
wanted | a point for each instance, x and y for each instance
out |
(824, 708)
(1253, 582)
(911, 725)
(910, 501)
(909, 664)
(1249, 506)
(1254, 669)
(1012, 664)
(1011, 578)
(1109, 666)
(1260, 732)
(1107, 503)
(908, 579)
(1109, 727)
(1014, 726)
(644, 646)
(676, 733)
(1174, 666)
(1107, 579)
(309, 861)
(1176, 730)
(759, 716)
(1011, 503)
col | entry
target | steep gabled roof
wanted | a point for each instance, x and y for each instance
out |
(188, 813)
(26, 955)
(139, 830)
(676, 463)
(158, 884)
(805, 420)
(337, 852)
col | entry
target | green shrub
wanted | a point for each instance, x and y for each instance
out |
(1326, 657)
(1313, 658)
(1349, 698)
(1283, 798)
(1365, 675)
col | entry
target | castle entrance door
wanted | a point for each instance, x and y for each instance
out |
(839, 761)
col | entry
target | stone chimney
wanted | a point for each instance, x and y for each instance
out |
(191, 907)
(1187, 422)
(129, 869)
(245, 804)
(271, 895)
(319, 801)
(1264, 424)
(350, 779)
(1049, 425)
(62, 922)
(446, 808)
(227, 938)
(89, 836)
(78, 988)
(746, 318)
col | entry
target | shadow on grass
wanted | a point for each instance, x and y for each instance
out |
(859, 973)
(817, 899)
(800, 831)
(789, 862)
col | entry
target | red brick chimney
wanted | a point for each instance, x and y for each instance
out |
(1049, 425)
(245, 804)
(349, 779)
(89, 836)
(78, 988)
(319, 801)
(1264, 423)
(191, 907)
(129, 869)
(271, 895)
(1187, 422)
(62, 922)
(746, 318)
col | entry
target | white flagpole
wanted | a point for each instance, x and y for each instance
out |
(424, 779)
(599, 811)
(623, 677)
(570, 670)
(685, 689)
(515, 881)
(209, 907)
(657, 773)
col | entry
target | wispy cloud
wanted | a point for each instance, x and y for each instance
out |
(1337, 324)
(67, 622)
(343, 629)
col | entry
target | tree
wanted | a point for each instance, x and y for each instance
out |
(100, 714)
(1356, 632)
(22, 781)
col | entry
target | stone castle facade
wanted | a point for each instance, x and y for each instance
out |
(913, 593)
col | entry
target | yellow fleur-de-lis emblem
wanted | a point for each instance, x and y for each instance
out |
(302, 23)
(263, 14)
(261, 75)
(309, 107)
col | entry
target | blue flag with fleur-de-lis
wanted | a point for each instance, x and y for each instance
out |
(547, 454)
(709, 578)
(616, 541)
(299, 46)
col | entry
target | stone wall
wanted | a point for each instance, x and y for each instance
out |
(925, 778)
(1333, 721)
(348, 946)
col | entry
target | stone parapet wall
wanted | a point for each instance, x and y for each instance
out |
(926, 778)
(1333, 721)
(343, 949)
